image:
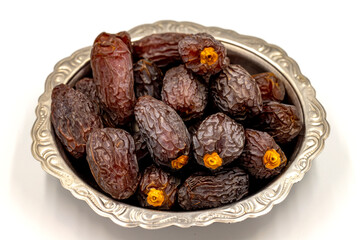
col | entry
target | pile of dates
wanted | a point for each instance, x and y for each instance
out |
(168, 122)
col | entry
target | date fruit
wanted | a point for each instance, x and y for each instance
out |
(262, 157)
(164, 131)
(87, 86)
(125, 37)
(203, 54)
(218, 141)
(281, 121)
(201, 191)
(184, 92)
(236, 93)
(157, 189)
(112, 160)
(73, 117)
(159, 48)
(112, 68)
(148, 79)
(271, 88)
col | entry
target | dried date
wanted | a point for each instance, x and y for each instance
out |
(203, 54)
(201, 191)
(112, 160)
(262, 157)
(148, 79)
(271, 88)
(73, 117)
(159, 48)
(184, 92)
(125, 37)
(112, 68)
(164, 131)
(218, 141)
(281, 121)
(87, 86)
(236, 93)
(157, 189)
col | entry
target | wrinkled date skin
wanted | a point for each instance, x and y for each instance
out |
(184, 93)
(111, 64)
(87, 86)
(201, 191)
(281, 121)
(166, 185)
(203, 54)
(148, 79)
(218, 134)
(252, 158)
(112, 160)
(163, 129)
(236, 93)
(73, 117)
(271, 88)
(125, 37)
(159, 48)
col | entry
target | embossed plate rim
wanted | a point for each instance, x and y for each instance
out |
(316, 131)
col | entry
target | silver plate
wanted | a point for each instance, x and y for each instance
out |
(256, 55)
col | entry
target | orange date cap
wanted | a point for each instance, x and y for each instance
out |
(155, 197)
(208, 56)
(212, 161)
(271, 159)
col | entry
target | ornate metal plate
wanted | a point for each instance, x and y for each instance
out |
(251, 51)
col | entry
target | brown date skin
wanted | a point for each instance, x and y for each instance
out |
(164, 131)
(271, 88)
(159, 48)
(190, 49)
(155, 177)
(112, 160)
(125, 37)
(111, 64)
(281, 121)
(221, 134)
(184, 92)
(236, 93)
(201, 191)
(148, 79)
(73, 117)
(251, 159)
(87, 86)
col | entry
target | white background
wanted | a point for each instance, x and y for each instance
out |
(322, 36)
